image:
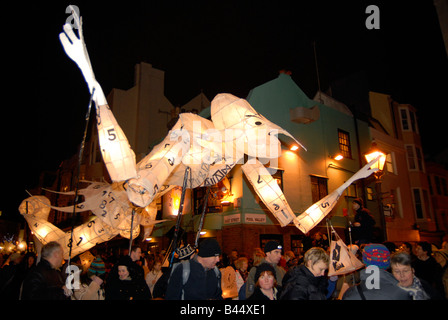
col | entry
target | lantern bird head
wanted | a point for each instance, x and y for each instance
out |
(250, 130)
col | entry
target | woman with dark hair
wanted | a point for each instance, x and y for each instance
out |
(426, 267)
(265, 283)
(124, 283)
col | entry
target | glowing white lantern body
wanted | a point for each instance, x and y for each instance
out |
(314, 214)
(117, 154)
(269, 192)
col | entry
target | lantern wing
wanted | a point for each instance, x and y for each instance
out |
(268, 191)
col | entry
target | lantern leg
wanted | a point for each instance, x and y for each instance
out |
(201, 222)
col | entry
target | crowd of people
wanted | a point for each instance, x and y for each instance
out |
(405, 272)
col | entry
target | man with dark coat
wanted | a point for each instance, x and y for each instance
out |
(46, 281)
(364, 222)
(198, 278)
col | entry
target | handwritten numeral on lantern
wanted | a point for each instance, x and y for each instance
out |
(325, 204)
(112, 135)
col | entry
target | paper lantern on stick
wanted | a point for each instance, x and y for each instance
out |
(268, 190)
(314, 214)
(342, 260)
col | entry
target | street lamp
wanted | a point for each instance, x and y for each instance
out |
(374, 153)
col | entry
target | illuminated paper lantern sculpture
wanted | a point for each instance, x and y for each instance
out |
(342, 260)
(228, 283)
(86, 260)
(35, 210)
(314, 214)
(84, 236)
(207, 149)
(112, 216)
(250, 131)
(117, 154)
(269, 192)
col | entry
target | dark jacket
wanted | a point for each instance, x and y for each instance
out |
(44, 283)
(363, 233)
(201, 284)
(388, 288)
(259, 295)
(301, 284)
(133, 289)
(430, 271)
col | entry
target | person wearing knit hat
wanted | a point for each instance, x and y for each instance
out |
(198, 278)
(376, 283)
(209, 248)
(266, 284)
(376, 254)
(97, 267)
(184, 252)
(273, 251)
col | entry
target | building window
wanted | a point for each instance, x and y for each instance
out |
(319, 188)
(369, 193)
(444, 186)
(390, 163)
(421, 203)
(344, 143)
(441, 186)
(408, 120)
(418, 204)
(419, 158)
(277, 174)
(415, 158)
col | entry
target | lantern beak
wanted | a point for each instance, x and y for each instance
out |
(276, 130)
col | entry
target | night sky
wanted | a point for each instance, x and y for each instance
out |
(214, 46)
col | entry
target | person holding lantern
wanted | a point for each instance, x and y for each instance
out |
(364, 222)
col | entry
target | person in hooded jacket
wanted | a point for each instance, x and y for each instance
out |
(308, 281)
(376, 283)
